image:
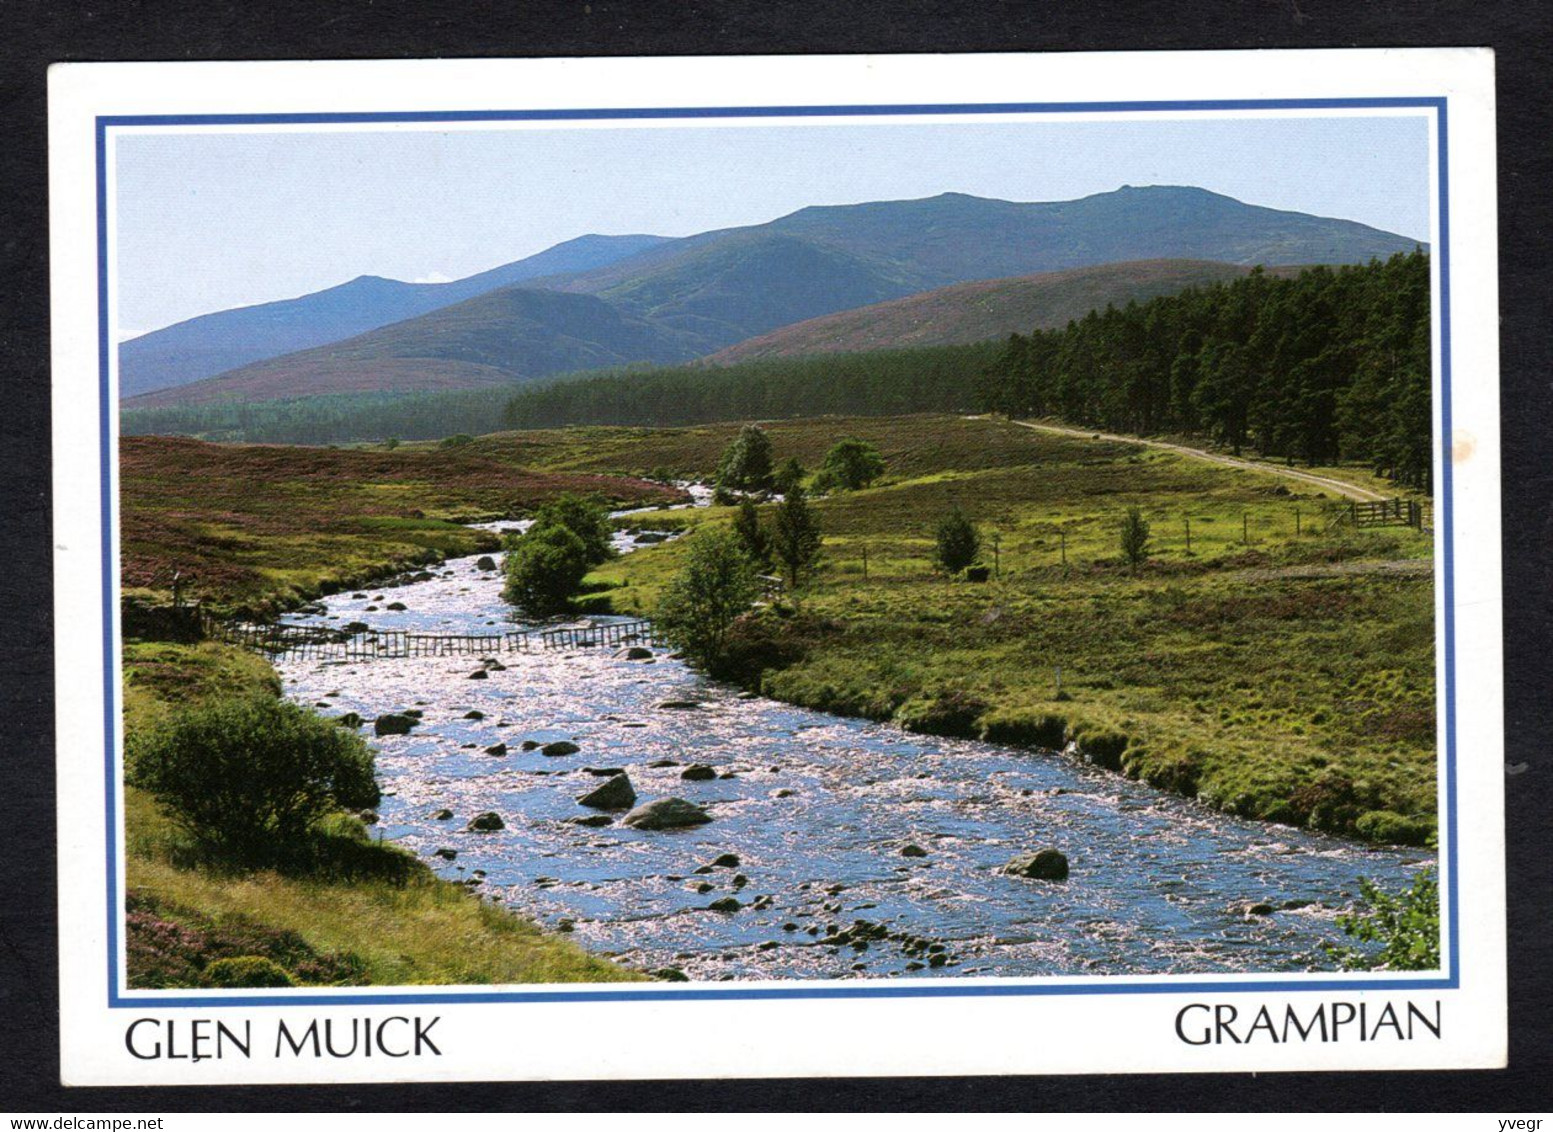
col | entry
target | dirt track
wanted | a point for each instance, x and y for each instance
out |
(1346, 490)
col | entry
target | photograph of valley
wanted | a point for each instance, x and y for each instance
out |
(853, 550)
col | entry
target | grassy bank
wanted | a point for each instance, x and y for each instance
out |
(258, 528)
(1278, 665)
(361, 912)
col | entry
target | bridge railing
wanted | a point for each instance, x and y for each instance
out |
(325, 643)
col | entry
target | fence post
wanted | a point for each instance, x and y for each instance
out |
(1064, 536)
(865, 562)
(1189, 534)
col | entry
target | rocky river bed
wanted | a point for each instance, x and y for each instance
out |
(836, 847)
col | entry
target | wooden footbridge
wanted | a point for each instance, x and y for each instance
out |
(321, 642)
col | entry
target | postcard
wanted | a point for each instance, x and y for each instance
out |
(732, 567)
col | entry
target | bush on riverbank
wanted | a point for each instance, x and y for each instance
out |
(545, 567)
(546, 564)
(250, 778)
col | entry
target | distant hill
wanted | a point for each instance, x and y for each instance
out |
(213, 343)
(990, 308)
(495, 339)
(910, 246)
(671, 300)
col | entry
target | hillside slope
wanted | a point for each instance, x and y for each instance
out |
(495, 339)
(991, 308)
(214, 343)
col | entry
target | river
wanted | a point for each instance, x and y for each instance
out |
(817, 810)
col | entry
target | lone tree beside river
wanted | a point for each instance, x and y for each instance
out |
(700, 605)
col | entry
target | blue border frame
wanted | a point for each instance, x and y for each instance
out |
(1122, 985)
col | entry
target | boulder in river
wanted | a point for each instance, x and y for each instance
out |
(726, 904)
(486, 822)
(615, 794)
(497, 749)
(442, 815)
(474, 714)
(445, 853)
(667, 813)
(698, 772)
(485, 562)
(593, 821)
(635, 652)
(396, 607)
(559, 747)
(658, 764)
(349, 719)
(356, 626)
(1043, 864)
(394, 723)
(527, 744)
(913, 850)
(678, 705)
(479, 674)
(726, 861)
(603, 771)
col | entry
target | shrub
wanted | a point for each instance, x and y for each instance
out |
(788, 476)
(545, 567)
(247, 776)
(796, 538)
(247, 971)
(1405, 924)
(457, 440)
(849, 465)
(1135, 538)
(757, 543)
(586, 517)
(958, 542)
(746, 463)
(701, 603)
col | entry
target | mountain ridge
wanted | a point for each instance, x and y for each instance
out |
(705, 293)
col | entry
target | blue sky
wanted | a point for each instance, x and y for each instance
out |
(212, 221)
